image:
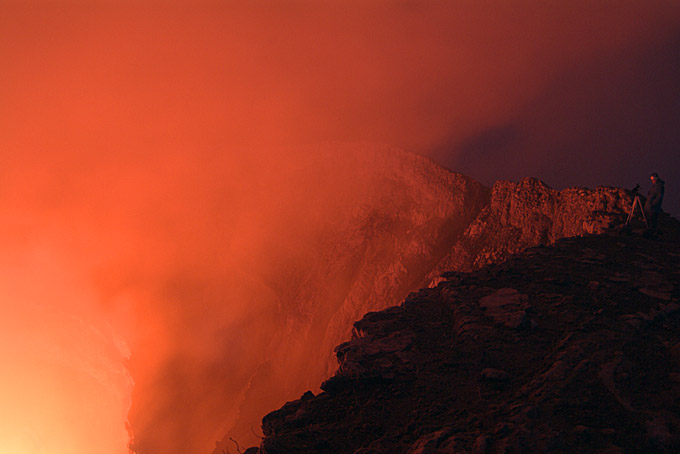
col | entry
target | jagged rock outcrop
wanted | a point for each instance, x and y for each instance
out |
(572, 347)
(529, 213)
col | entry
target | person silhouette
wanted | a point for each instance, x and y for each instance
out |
(653, 203)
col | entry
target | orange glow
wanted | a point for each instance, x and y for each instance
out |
(154, 191)
(66, 389)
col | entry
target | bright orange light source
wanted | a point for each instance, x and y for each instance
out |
(63, 386)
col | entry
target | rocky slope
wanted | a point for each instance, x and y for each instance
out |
(410, 221)
(517, 216)
(393, 219)
(573, 347)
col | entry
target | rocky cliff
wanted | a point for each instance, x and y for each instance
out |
(410, 221)
(572, 347)
(530, 213)
(401, 215)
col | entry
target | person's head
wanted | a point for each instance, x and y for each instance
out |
(654, 177)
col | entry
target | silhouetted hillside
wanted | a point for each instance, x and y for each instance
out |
(573, 347)
(408, 221)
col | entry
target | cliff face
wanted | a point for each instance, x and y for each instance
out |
(573, 347)
(403, 215)
(410, 221)
(530, 213)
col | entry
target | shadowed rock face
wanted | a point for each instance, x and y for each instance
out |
(412, 222)
(405, 213)
(530, 213)
(593, 365)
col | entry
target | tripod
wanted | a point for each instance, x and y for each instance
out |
(637, 202)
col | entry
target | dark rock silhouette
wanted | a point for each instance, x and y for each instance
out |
(411, 222)
(572, 347)
(405, 214)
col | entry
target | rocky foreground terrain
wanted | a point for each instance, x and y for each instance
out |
(403, 223)
(571, 347)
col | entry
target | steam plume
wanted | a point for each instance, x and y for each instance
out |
(154, 192)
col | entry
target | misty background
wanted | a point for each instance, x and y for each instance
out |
(158, 166)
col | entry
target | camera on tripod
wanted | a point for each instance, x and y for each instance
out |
(636, 202)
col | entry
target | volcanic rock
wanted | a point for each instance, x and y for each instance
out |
(408, 223)
(530, 213)
(445, 372)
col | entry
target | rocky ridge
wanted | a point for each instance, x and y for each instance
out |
(407, 221)
(529, 213)
(573, 347)
(516, 217)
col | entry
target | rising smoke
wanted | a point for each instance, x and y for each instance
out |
(154, 193)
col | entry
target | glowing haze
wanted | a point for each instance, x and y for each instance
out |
(148, 184)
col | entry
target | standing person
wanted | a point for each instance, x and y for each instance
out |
(653, 203)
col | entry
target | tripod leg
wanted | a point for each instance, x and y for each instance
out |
(630, 215)
(644, 217)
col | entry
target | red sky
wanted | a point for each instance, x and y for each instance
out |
(412, 74)
(135, 136)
